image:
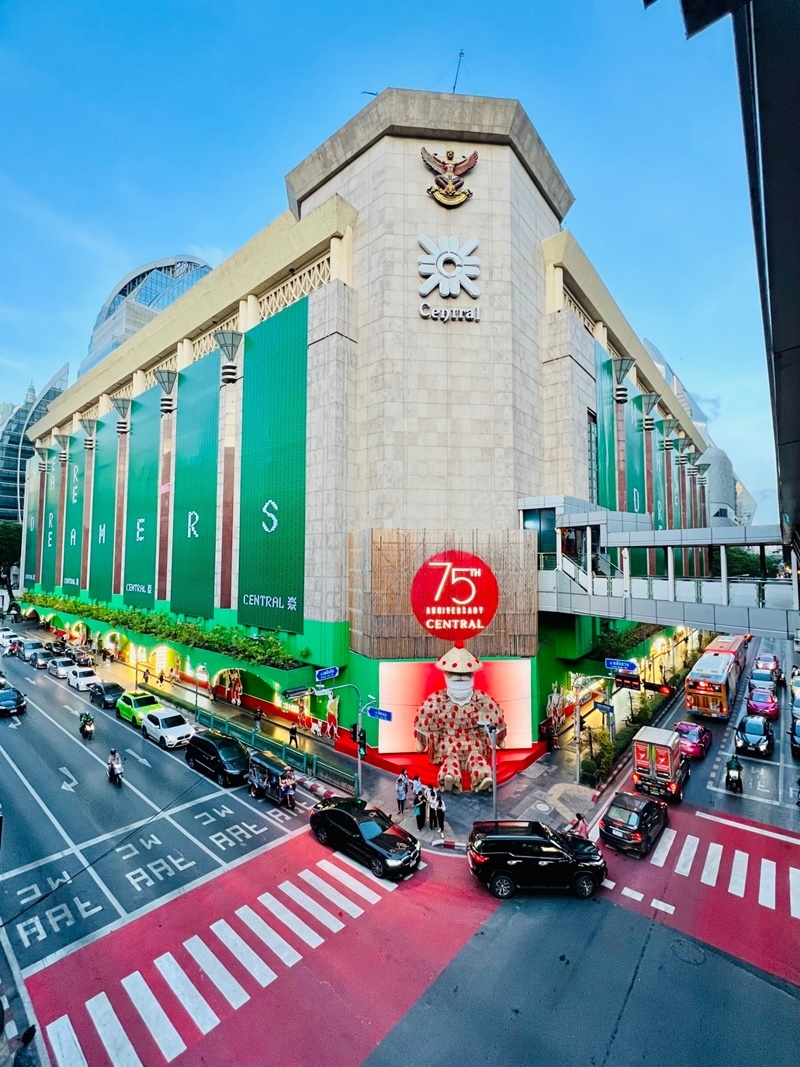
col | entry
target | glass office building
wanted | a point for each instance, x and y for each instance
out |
(16, 448)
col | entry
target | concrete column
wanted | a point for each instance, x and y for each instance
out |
(795, 560)
(342, 257)
(253, 314)
(558, 550)
(723, 573)
(589, 556)
(138, 382)
(184, 355)
(671, 574)
(601, 334)
(103, 405)
(554, 289)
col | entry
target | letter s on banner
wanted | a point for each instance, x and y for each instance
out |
(272, 519)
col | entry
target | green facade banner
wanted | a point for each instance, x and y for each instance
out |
(634, 453)
(606, 452)
(273, 472)
(141, 514)
(194, 516)
(50, 531)
(104, 508)
(73, 516)
(31, 522)
(659, 477)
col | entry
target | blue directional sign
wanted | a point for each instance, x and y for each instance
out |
(628, 665)
(379, 713)
(604, 709)
(324, 674)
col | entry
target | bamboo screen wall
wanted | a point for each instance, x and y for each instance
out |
(383, 564)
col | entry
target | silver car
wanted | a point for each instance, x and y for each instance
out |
(59, 666)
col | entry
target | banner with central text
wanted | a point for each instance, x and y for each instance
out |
(73, 516)
(141, 514)
(31, 522)
(273, 472)
(104, 508)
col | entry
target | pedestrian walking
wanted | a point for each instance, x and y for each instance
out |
(161, 678)
(581, 826)
(433, 807)
(556, 743)
(146, 675)
(293, 735)
(440, 810)
(417, 787)
(547, 733)
(104, 653)
(401, 788)
(26, 1055)
(420, 810)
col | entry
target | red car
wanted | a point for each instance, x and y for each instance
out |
(695, 739)
(762, 702)
(767, 661)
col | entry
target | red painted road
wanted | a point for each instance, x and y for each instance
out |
(194, 983)
(732, 883)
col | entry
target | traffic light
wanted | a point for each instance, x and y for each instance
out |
(629, 681)
(362, 742)
(354, 733)
(659, 687)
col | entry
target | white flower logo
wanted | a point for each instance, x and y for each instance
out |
(449, 266)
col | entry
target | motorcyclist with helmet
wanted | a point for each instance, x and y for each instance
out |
(733, 774)
(114, 766)
(86, 720)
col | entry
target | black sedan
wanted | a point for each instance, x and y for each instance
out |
(794, 737)
(105, 694)
(632, 823)
(754, 735)
(367, 834)
(12, 702)
(40, 659)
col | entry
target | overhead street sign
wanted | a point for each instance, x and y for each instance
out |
(628, 665)
(604, 709)
(324, 674)
(379, 713)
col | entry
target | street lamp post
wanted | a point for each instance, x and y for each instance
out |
(491, 730)
(362, 706)
(577, 684)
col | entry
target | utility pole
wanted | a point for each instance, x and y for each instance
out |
(491, 730)
(362, 706)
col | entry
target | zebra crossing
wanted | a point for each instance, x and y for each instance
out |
(181, 995)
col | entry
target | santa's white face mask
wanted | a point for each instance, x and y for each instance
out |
(459, 688)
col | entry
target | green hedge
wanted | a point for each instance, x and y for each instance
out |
(265, 649)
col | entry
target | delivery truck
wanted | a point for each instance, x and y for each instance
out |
(659, 767)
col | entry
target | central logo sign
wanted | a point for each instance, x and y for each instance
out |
(454, 595)
(449, 265)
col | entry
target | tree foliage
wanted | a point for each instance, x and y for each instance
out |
(265, 649)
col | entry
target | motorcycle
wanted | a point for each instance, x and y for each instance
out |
(115, 774)
(781, 678)
(87, 728)
(733, 779)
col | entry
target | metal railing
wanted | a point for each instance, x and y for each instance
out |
(301, 761)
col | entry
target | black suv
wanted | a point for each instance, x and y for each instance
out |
(754, 734)
(368, 834)
(508, 856)
(219, 756)
(632, 822)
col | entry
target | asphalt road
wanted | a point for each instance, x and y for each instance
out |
(78, 854)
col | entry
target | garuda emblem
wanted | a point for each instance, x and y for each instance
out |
(448, 186)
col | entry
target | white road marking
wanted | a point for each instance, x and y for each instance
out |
(304, 901)
(608, 884)
(282, 949)
(686, 859)
(243, 953)
(187, 993)
(288, 918)
(632, 893)
(11, 1030)
(219, 975)
(766, 885)
(421, 865)
(659, 857)
(153, 1015)
(659, 905)
(750, 829)
(738, 873)
(359, 889)
(365, 872)
(120, 1051)
(711, 866)
(333, 895)
(64, 1043)
(794, 892)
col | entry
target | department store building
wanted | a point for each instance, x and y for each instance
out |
(415, 356)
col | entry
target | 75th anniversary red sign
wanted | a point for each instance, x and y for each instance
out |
(454, 595)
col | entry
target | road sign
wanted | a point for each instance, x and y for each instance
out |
(604, 709)
(628, 665)
(379, 713)
(628, 681)
(324, 674)
(300, 691)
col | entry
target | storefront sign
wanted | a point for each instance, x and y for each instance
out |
(443, 314)
(454, 595)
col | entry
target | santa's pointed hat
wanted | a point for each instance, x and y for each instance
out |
(459, 661)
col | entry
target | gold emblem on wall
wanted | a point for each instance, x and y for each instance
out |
(448, 186)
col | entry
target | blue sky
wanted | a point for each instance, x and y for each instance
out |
(132, 132)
